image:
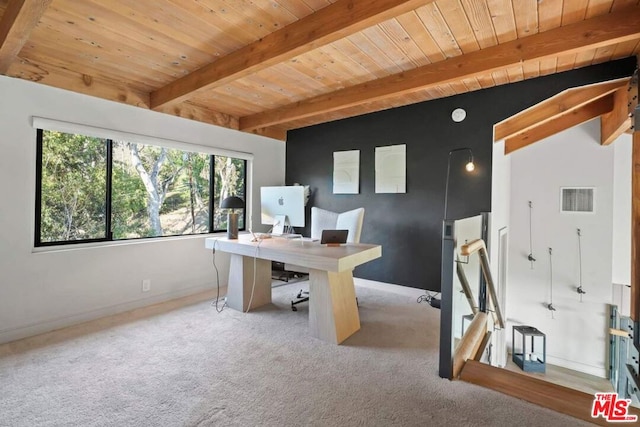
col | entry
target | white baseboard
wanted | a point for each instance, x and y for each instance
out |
(576, 366)
(13, 334)
(21, 332)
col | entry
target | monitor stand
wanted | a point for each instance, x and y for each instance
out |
(279, 222)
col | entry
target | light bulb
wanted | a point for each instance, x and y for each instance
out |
(470, 166)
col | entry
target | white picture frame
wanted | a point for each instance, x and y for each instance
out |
(391, 169)
(346, 172)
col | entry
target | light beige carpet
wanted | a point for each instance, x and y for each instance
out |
(191, 366)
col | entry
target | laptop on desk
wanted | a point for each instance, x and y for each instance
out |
(334, 237)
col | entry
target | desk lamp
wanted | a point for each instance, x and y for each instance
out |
(232, 203)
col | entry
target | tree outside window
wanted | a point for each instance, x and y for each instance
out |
(154, 191)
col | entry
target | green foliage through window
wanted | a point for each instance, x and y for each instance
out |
(73, 182)
(154, 191)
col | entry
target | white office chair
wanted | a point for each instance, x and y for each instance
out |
(326, 220)
(322, 219)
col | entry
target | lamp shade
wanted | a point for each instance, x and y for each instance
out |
(232, 202)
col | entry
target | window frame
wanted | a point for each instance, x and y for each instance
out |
(43, 125)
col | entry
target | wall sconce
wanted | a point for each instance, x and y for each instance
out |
(470, 166)
(232, 203)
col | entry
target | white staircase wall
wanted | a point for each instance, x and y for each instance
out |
(577, 331)
(499, 223)
(621, 256)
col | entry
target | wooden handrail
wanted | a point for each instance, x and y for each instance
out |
(479, 246)
(462, 277)
(469, 248)
(470, 342)
(483, 344)
(620, 333)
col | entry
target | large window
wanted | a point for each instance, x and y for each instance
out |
(92, 189)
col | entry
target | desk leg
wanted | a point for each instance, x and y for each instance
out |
(241, 283)
(333, 312)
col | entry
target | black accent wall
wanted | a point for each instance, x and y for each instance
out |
(409, 226)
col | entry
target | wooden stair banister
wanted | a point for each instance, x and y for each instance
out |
(470, 343)
(479, 246)
(462, 277)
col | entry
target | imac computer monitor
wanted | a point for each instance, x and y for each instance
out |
(284, 200)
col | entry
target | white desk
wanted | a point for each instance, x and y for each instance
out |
(333, 313)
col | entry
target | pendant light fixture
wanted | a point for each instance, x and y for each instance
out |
(530, 256)
(550, 306)
(580, 290)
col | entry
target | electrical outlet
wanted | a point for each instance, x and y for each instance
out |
(146, 285)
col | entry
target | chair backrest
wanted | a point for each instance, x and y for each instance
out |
(322, 219)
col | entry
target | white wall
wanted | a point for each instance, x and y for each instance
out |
(499, 222)
(621, 255)
(40, 291)
(621, 259)
(577, 333)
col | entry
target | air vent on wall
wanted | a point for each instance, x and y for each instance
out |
(577, 199)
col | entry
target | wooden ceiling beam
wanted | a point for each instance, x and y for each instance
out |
(19, 19)
(331, 23)
(621, 119)
(618, 121)
(592, 33)
(555, 106)
(565, 121)
(200, 113)
(275, 132)
(73, 81)
(52, 75)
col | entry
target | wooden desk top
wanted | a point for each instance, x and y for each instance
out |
(296, 251)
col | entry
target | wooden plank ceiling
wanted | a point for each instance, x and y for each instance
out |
(267, 66)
